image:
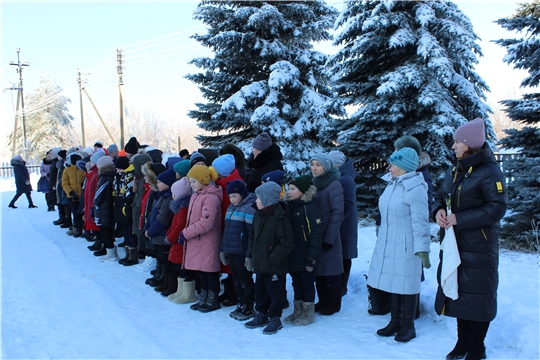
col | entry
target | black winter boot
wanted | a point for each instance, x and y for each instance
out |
(228, 298)
(395, 317)
(121, 261)
(322, 293)
(274, 324)
(101, 252)
(477, 350)
(211, 304)
(259, 320)
(334, 302)
(407, 331)
(344, 282)
(60, 221)
(173, 285)
(462, 344)
(95, 246)
(166, 280)
(203, 297)
(78, 233)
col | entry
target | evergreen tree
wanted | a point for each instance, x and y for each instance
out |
(408, 68)
(521, 227)
(47, 121)
(265, 75)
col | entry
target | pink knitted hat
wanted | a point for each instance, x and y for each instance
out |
(472, 134)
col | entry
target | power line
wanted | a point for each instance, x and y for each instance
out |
(159, 38)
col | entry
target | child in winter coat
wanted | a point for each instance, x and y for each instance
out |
(234, 247)
(103, 206)
(181, 193)
(156, 227)
(269, 256)
(305, 220)
(202, 235)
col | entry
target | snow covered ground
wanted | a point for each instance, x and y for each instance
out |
(59, 301)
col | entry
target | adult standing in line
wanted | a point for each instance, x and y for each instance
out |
(349, 227)
(402, 245)
(53, 179)
(266, 157)
(132, 147)
(330, 202)
(43, 184)
(138, 189)
(22, 181)
(478, 202)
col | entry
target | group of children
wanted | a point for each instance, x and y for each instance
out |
(200, 221)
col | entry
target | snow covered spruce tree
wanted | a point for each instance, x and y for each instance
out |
(521, 228)
(265, 76)
(407, 68)
(47, 120)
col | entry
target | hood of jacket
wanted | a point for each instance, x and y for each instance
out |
(151, 176)
(348, 169)
(423, 161)
(213, 189)
(138, 161)
(17, 162)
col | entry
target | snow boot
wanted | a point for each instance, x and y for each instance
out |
(296, 312)
(334, 302)
(60, 221)
(188, 293)
(477, 350)
(78, 233)
(236, 312)
(67, 223)
(344, 282)
(259, 320)
(202, 300)
(274, 324)
(173, 285)
(211, 304)
(71, 231)
(395, 317)
(101, 251)
(157, 278)
(322, 293)
(462, 345)
(166, 281)
(133, 258)
(246, 312)
(407, 331)
(308, 314)
(112, 255)
(121, 261)
(179, 289)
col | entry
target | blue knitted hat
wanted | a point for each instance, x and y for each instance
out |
(224, 165)
(405, 158)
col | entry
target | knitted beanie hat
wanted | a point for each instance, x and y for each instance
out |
(275, 176)
(105, 161)
(224, 165)
(62, 154)
(325, 161)
(202, 174)
(237, 187)
(182, 167)
(262, 142)
(406, 159)
(302, 182)
(472, 134)
(122, 162)
(96, 156)
(168, 177)
(132, 146)
(112, 148)
(54, 152)
(338, 158)
(158, 168)
(181, 187)
(408, 141)
(196, 157)
(98, 144)
(269, 193)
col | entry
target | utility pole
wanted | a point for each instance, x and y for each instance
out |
(21, 97)
(79, 80)
(120, 89)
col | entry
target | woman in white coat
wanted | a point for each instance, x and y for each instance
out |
(402, 244)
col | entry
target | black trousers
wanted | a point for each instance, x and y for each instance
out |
(242, 278)
(269, 294)
(162, 254)
(303, 283)
(18, 195)
(209, 281)
(77, 218)
(129, 238)
(107, 236)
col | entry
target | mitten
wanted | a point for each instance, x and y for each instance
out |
(248, 263)
(327, 246)
(224, 258)
(424, 256)
(310, 265)
(181, 239)
(74, 196)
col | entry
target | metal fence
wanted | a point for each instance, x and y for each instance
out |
(6, 170)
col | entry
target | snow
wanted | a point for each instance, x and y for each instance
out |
(59, 301)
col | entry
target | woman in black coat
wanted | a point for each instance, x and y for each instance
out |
(266, 157)
(22, 181)
(478, 200)
(103, 206)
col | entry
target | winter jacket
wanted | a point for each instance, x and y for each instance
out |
(404, 231)
(349, 227)
(222, 182)
(138, 191)
(60, 193)
(160, 218)
(179, 207)
(22, 177)
(123, 195)
(72, 180)
(268, 160)
(203, 230)
(90, 188)
(238, 223)
(306, 224)
(45, 167)
(479, 201)
(424, 161)
(147, 202)
(273, 240)
(329, 200)
(103, 200)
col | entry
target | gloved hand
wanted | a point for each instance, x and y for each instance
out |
(248, 263)
(74, 196)
(182, 239)
(224, 258)
(424, 256)
(327, 246)
(310, 265)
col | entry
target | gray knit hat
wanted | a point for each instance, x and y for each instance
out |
(262, 142)
(325, 161)
(408, 141)
(338, 158)
(269, 193)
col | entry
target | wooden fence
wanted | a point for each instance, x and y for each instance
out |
(6, 170)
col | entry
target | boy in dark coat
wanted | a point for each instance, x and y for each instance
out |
(269, 256)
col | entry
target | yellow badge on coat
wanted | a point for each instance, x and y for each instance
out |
(499, 185)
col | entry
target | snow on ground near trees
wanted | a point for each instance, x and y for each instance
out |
(59, 301)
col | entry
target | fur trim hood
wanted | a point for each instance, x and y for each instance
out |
(423, 161)
(107, 169)
(151, 176)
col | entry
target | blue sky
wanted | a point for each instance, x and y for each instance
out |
(57, 38)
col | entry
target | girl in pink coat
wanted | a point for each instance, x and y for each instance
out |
(202, 235)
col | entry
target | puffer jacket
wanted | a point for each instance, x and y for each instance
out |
(138, 191)
(72, 180)
(160, 217)
(349, 227)
(90, 189)
(479, 200)
(103, 200)
(22, 177)
(404, 231)
(273, 240)
(329, 200)
(203, 230)
(222, 182)
(238, 223)
(268, 160)
(306, 224)
(179, 207)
